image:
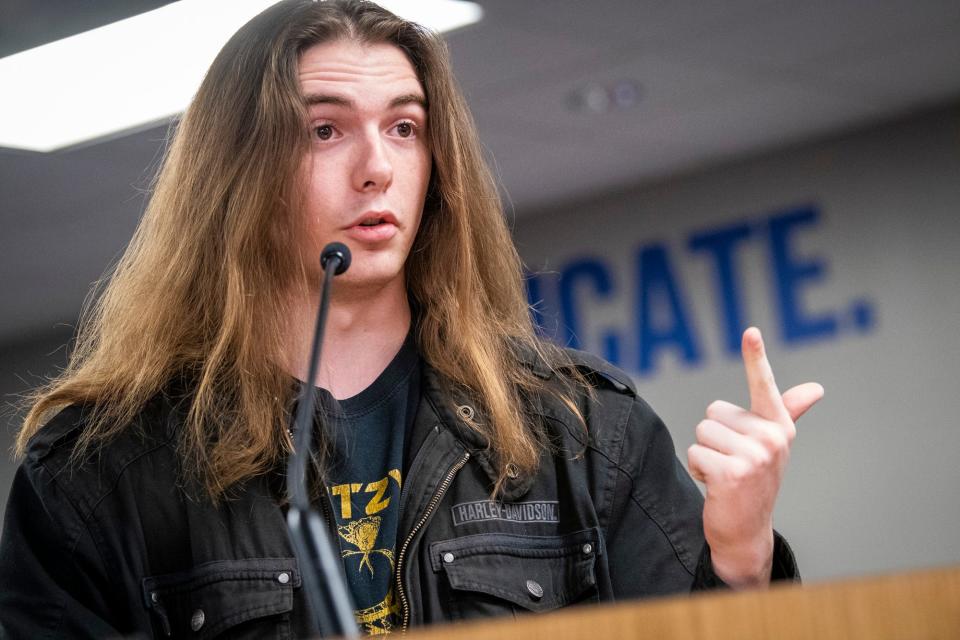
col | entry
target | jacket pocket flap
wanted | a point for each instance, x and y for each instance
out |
(216, 596)
(538, 573)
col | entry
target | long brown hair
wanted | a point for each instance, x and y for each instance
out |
(199, 292)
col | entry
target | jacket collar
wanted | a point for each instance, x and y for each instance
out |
(453, 406)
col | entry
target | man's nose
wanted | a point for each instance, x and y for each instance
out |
(373, 169)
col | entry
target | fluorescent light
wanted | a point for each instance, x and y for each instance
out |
(439, 15)
(142, 70)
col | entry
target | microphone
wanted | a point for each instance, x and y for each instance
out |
(326, 591)
(336, 250)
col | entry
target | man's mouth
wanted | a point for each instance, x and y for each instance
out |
(374, 227)
(374, 219)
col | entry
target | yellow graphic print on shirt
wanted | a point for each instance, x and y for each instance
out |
(363, 534)
(376, 620)
(360, 533)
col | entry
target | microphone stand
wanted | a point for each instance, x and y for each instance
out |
(326, 590)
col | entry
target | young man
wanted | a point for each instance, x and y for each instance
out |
(151, 497)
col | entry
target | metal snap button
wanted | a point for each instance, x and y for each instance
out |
(587, 549)
(512, 472)
(197, 619)
(466, 411)
(535, 589)
(448, 557)
(283, 578)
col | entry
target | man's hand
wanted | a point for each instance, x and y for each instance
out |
(741, 456)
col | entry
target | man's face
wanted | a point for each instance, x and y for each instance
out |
(368, 165)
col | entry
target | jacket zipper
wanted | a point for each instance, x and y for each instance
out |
(434, 501)
(328, 517)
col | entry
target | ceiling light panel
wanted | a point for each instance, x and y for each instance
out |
(142, 70)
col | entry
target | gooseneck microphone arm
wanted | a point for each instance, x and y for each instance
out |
(331, 608)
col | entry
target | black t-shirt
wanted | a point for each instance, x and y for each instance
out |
(364, 480)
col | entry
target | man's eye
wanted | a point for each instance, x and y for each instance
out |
(405, 129)
(323, 132)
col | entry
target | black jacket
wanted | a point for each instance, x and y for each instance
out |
(116, 546)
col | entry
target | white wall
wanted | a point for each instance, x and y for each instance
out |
(874, 481)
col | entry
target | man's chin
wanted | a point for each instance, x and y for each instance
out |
(368, 280)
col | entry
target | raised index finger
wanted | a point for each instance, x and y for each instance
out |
(765, 399)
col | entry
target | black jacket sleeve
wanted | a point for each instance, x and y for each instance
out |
(655, 537)
(52, 580)
(784, 567)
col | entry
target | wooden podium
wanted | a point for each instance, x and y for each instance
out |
(920, 605)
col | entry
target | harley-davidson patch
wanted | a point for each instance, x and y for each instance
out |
(521, 512)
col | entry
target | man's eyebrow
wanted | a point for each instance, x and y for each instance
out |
(410, 98)
(322, 98)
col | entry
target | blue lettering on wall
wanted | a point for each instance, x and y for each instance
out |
(862, 317)
(721, 245)
(595, 274)
(663, 320)
(611, 348)
(792, 274)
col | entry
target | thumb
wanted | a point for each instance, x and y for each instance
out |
(800, 398)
